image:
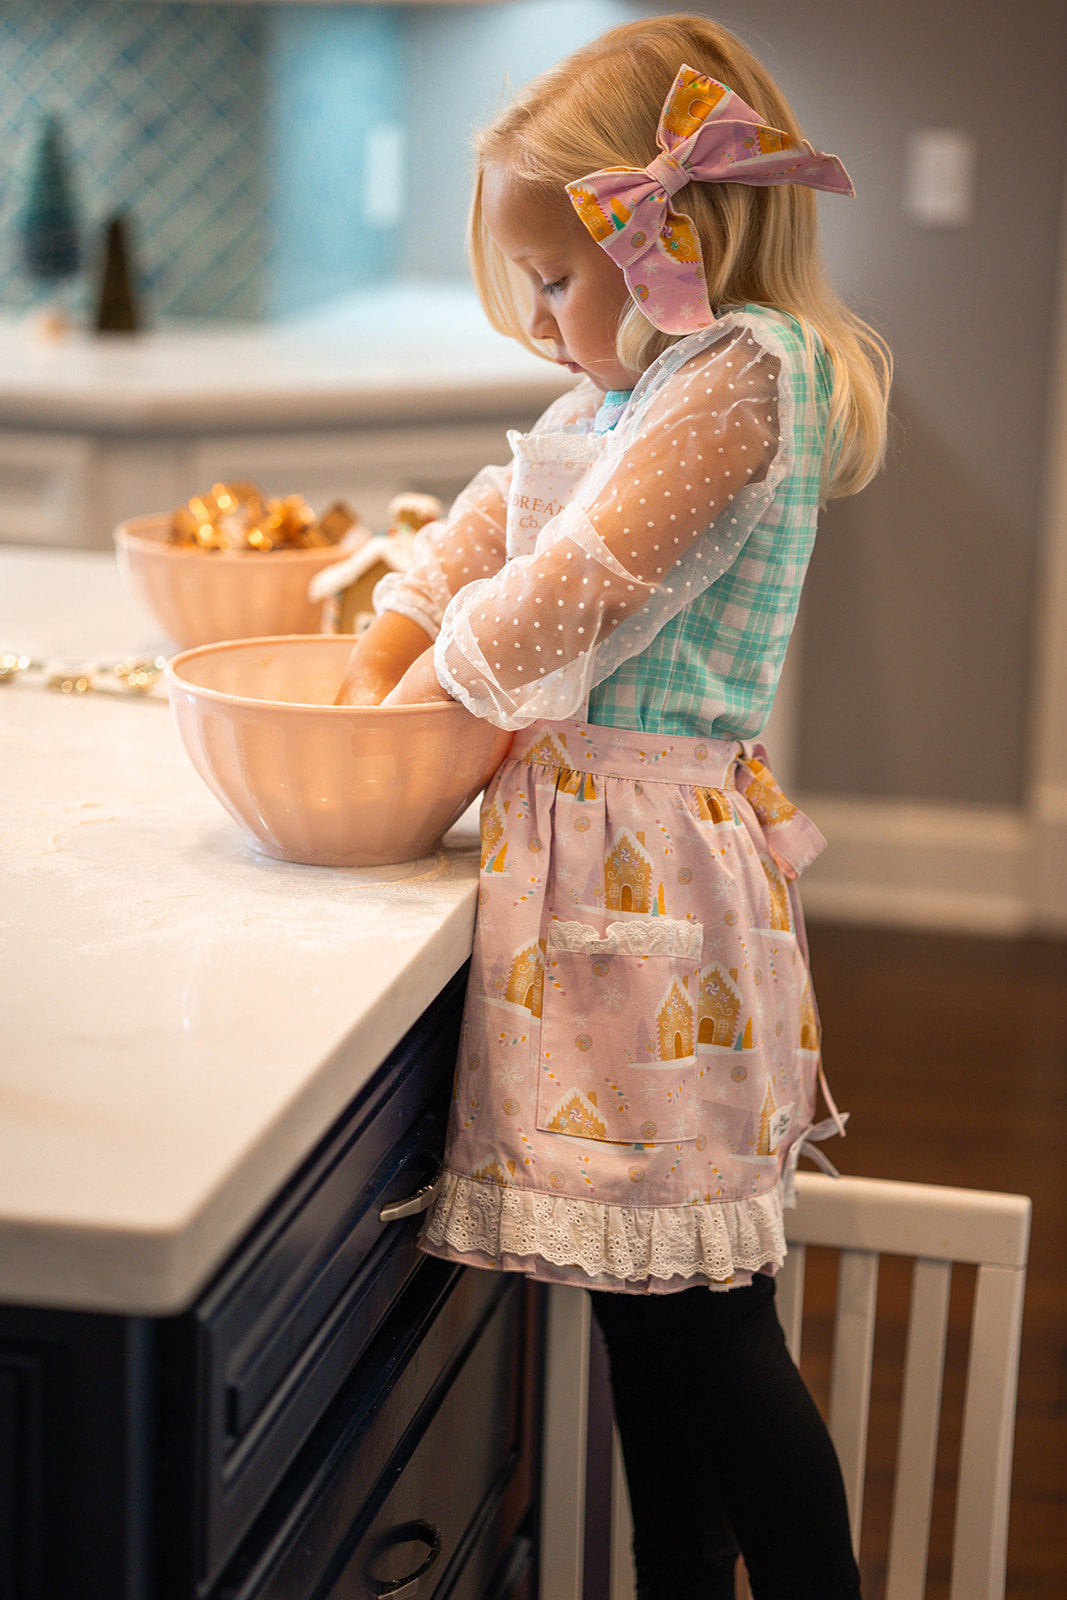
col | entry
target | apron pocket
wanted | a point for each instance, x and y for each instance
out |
(618, 1031)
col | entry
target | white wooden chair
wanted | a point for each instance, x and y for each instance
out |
(862, 1219)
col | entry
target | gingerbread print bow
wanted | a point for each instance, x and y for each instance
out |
(706, 131)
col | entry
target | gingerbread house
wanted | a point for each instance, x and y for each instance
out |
(526, 982)
(718, 1007)
(674, 1022)
(628, 875)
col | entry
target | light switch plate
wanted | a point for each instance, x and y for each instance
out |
(383, 179)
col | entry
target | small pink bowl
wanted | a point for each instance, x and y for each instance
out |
(332, 786)
(199, 596)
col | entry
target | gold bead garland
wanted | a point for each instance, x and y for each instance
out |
(135, 675)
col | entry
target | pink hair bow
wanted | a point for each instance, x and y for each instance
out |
(706, 131)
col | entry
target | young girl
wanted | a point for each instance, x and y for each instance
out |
(640, 1054)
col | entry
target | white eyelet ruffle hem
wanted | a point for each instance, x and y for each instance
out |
(647, 1249)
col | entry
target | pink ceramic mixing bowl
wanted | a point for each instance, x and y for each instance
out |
(336, 786)
(198, 596)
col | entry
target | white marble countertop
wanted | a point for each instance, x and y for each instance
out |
(409, 351)
(181, 1019)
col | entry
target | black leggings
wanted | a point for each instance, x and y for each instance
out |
(724, 1448)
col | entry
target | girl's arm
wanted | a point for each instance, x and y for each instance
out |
(471, 544)
(665, 512)
(380, 657)
(420, 684)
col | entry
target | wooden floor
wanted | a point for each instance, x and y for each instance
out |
(950, 1053)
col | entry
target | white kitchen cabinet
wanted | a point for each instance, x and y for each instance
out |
(46, 484)
(409, 388)
(367, 467)
(71, 490)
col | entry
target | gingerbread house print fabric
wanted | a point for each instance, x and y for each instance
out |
(640, 1032)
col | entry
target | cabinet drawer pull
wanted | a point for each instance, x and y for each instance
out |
(407, 1588)
(421, 1200)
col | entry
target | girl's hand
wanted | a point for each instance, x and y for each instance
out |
(379, 659)
(419, 686)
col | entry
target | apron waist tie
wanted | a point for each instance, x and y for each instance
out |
(809, 1145)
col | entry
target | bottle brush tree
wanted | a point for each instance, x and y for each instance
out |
(50, 247)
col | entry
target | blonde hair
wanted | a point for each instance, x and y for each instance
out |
(600, 107)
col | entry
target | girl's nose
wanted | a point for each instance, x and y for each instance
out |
(541, 324)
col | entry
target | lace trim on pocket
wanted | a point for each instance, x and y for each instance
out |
(653, 936)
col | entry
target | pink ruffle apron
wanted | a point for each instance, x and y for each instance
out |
(639, 1060)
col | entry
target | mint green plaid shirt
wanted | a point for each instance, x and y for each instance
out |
(714, 668)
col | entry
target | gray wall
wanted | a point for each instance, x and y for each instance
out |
(916, 670)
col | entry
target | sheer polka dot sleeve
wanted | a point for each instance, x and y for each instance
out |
(665, 511)
(469, 543)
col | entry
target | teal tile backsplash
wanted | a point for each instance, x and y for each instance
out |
(232, 137)
(334, 79)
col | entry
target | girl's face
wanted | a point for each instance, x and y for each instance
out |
(579, 294)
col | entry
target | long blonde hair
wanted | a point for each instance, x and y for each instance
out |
(600, 107)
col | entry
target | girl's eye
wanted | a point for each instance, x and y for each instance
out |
(553, 288)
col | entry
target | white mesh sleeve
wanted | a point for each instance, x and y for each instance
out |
(467, 544)
(664, 512)
(470, 542)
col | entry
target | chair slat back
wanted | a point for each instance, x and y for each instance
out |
(982, 1498)
(864, 1218)
(920, 1415)
(850, 1381)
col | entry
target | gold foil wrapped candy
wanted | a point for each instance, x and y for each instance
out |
(236, 516)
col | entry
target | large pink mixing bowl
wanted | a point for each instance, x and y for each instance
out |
(199, 596)
(334, 786)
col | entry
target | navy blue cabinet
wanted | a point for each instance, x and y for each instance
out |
(337, 1417)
